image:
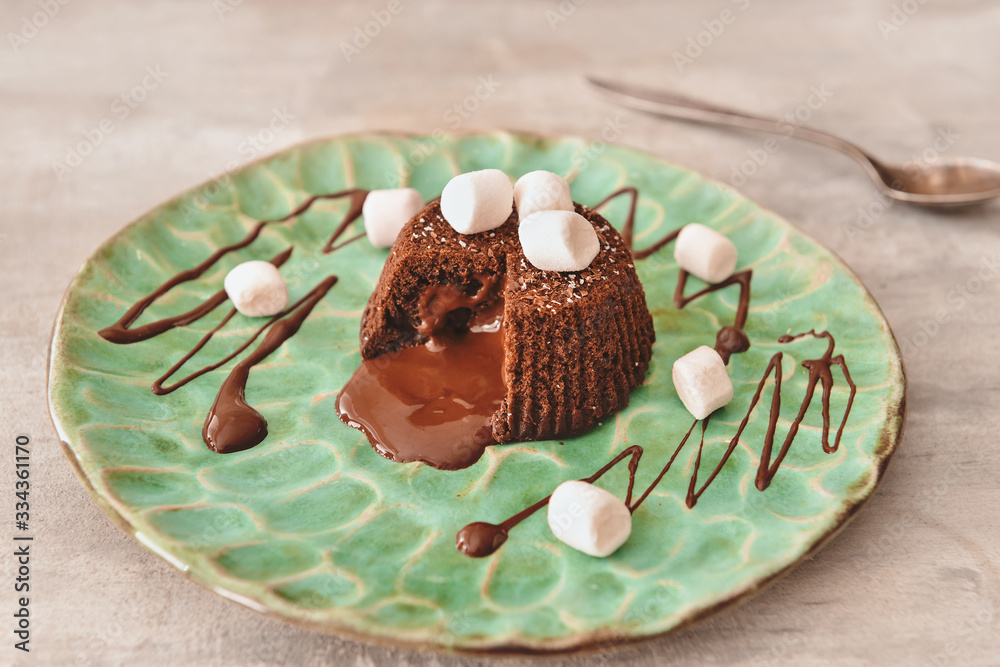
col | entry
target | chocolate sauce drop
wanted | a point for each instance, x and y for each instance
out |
(232, 425)
(729, 341)
(480, 539)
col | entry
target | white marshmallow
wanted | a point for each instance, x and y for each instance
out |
(387, 211)
(256, 289)
(558, 240)
(705, 253)
(588, 518)
(702, 382)
(477, 201)
(541, 191)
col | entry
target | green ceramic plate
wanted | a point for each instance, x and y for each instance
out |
(312, 526)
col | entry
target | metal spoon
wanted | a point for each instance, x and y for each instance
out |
(944, 182)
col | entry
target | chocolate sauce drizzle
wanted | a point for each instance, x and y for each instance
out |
(158, 387)
(121, 332)
(232, 425)
(628, 229)
(480, 539)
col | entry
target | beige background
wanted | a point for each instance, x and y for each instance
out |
(912, 581)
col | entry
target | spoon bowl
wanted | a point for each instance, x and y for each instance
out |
(959, 181)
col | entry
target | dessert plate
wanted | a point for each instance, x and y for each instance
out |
(314, 527)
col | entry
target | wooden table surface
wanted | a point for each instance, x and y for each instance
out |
(913, 580)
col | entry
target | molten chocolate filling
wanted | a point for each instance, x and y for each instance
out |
(435, 402)
(444, 308)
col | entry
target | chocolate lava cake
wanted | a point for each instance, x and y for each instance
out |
(575, 343)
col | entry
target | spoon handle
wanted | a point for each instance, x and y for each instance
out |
(672, 105)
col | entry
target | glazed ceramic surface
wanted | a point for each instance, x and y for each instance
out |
(313, 526)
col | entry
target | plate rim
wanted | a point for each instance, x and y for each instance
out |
(590, 642)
